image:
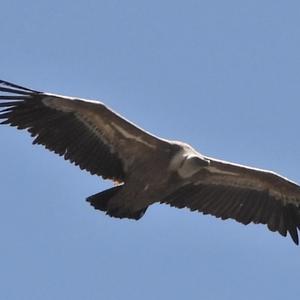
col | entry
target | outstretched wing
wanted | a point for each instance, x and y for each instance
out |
(244, 194)
(86, 133)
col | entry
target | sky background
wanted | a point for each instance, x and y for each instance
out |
(221, 75)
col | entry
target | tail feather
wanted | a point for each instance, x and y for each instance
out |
(101, 201)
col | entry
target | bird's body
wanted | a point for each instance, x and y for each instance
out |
(148, 169)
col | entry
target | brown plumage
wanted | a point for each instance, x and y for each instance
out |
(149, 169)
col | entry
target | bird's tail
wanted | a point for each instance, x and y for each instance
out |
(101, 201)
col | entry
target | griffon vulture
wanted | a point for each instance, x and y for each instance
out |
(149, 169)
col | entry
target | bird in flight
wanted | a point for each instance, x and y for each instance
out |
(148, 169)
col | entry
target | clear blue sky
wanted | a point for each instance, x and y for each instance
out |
(221, 75)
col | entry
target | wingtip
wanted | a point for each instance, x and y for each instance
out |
(14, 86)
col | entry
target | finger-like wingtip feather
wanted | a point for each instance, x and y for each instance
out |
(9, 87)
